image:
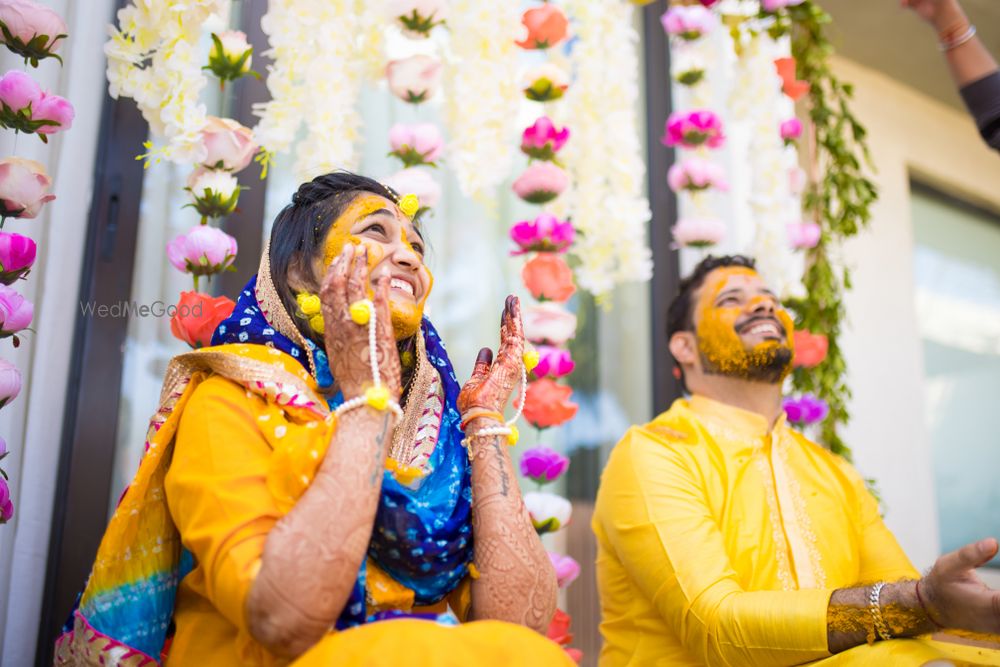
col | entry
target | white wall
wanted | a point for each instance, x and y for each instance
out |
(32, 423)
(909, 134)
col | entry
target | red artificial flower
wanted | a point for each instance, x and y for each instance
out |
(547, 26)
(559, 633)
(548, 277)
(791, 86)
(810, 349)
(548, 404)
(197, 315)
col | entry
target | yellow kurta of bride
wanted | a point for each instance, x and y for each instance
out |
(719, 543)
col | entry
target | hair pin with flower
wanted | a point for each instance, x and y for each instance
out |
(409, 204)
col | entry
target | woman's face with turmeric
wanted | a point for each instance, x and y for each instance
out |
(742, 328)
(394, 245)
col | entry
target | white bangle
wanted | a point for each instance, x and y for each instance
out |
(359, 401)
(958, 41)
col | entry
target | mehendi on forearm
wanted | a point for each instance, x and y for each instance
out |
(517, 582)
(312, 555)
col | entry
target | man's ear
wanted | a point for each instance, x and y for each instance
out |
(684, 347)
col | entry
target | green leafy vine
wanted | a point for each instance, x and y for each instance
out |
(839, 198)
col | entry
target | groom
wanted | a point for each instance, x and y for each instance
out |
(727, 538)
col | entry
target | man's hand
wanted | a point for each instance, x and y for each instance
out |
(956, 597)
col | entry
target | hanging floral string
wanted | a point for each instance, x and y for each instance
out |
(35, 33)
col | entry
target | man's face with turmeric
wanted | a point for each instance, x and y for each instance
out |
(741, 327)
(393, 244)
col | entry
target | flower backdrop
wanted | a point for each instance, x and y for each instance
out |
(35, 33)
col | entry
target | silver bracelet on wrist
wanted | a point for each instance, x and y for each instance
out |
(958, 41)
(875, 608)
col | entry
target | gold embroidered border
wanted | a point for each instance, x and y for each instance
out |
(801, 515)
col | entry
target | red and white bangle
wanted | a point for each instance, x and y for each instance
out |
(948, 43)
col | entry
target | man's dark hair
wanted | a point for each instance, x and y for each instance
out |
(680, 316)
(300, 229)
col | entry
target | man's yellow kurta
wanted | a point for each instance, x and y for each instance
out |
(719, 543)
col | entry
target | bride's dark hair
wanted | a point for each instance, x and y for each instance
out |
(299, 230)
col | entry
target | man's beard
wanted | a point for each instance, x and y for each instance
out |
(767, 363)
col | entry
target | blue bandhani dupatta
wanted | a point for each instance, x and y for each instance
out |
(422, 537)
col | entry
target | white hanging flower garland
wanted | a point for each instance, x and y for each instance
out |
(481, 79)
(154, 58)
(605, 157)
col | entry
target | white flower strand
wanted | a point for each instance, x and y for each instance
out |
(366, 399)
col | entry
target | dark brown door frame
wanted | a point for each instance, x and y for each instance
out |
(90, 424)
(662, 201)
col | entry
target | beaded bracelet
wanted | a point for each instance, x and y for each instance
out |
(875, 608)
(508, 429)
(376, 396)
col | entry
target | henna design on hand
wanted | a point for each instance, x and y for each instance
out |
(347, 347)
(491, 384)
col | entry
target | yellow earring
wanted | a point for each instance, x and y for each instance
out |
(309, 309)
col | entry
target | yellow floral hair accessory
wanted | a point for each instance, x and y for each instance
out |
(409, 205)
(361, 312)
(309, 309)
(531, 358)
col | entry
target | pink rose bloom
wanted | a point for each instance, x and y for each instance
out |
(18, 90)
(553, 361)
(548, 323)
(688, 21)
(567, 569)
(775, 5)
(228, 145)
(791, 129)
(17, 254)
(56, 109)
(24, 187)
(696, 174)
(25, 20)
(543, 465)
(16, 312)
(691, 129)
(416, 181)
(416, 143)
(693, 232)
(541, 182)
(10, 382)
(414, 79)
(543, 140)
(203, 251)
(803, 235)
(6, 506)
(546, 233)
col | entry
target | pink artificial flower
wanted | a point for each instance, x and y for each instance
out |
(541, 182)
(708, 3)
(17, 254)
(697, 233)
(548, 277)
(16, 312)
(548, 323)
(554, 362)
(417, 18)
(10, 382)
(543, 465)
(691, 129)
(543, 140)
(546, 233)
(567, 569)
(806, 409)
(546, 82)
(803, 235)
(24, 187)
(228, 145)
(416, 181)
(203, 251)
(791, 130)
(18, 90)
(56, 109)
(546, 26)
(696, 174)
(775, 5)
(6, 506)
(414, 79)
(688, 21)
(24, 21)
(419, 143)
